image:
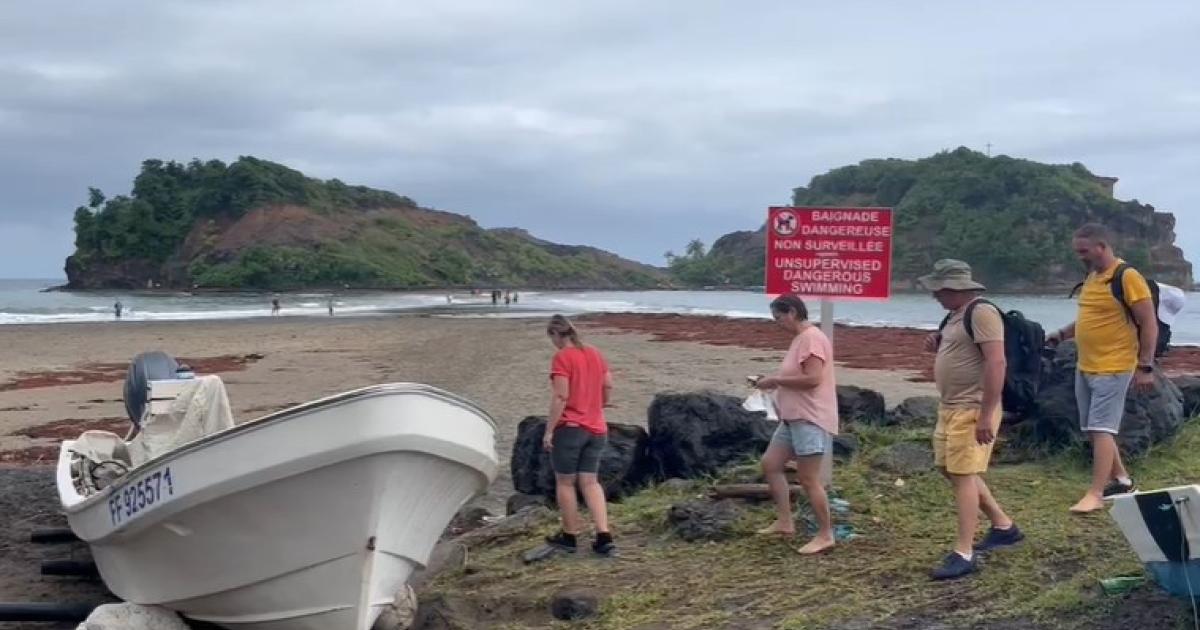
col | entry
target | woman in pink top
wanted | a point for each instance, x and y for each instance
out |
(806, 399)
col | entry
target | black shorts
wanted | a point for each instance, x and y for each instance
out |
(576, 450)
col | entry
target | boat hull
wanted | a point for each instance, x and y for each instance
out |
(1163, 529)
(312, 518)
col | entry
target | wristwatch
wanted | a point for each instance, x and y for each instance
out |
(1146, 369)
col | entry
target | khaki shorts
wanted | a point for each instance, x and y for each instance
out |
(954, 445)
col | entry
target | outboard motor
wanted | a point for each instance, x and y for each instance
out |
(145, 367)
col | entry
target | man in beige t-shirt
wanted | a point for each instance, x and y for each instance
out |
(969, 373)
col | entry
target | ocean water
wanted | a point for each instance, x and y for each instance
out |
(23, 302)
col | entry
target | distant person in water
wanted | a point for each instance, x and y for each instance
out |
(576, 434)
(507, 298)
(516, 297)
(495, 297)
(331, 306)
(117, 308)
(275, 306)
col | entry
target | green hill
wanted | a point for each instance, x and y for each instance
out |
(255, 224)
(1012, 219)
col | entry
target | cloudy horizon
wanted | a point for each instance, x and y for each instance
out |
(633, 127)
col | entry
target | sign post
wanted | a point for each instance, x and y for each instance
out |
(827, 318)
(831, 254)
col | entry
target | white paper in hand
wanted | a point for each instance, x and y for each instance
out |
(761, 401)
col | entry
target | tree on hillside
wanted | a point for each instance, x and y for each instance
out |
(1012, 219)
(694, 267)
(383, 244)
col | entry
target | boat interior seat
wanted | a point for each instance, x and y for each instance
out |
(102, 458)
(180, 411)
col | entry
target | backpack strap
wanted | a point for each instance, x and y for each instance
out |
(1117, 285)
(967, 316)
(1075, 290)
(967, 323)
(945, 320)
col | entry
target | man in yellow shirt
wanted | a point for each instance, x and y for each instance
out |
(1116, 342)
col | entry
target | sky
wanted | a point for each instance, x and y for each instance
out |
(628, 125)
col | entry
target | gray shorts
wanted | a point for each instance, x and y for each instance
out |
(802, 437)
(1101, 400)
(576, 450)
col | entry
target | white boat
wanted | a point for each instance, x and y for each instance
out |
(1163, 528)
(310, 518)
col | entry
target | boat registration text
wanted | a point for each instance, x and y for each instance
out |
(136, 497)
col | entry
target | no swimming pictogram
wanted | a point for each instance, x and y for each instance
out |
(785, 223)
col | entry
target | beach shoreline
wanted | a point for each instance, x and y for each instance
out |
(63, 376)
(53, 373)
(58, 380)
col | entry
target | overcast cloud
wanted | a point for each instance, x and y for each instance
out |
(632, 126)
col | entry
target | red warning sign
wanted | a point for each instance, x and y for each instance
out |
(830, 253)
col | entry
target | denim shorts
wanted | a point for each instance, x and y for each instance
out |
(1101, 400)
(802, 437)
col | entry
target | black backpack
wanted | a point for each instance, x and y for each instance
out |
(1117, 286)
(1023, 343)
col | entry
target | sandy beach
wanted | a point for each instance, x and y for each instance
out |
(57, 380)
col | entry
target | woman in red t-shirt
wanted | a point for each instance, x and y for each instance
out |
(576, 433)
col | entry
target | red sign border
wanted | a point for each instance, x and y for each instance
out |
(891, 254)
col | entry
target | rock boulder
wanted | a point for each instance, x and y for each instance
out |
(857, 404)
(520, 501)
(400, 614)
(918, 412)
(1150, 418)
(625, 465)
(701, 519)
(1189, 386)
(695, 435)
(132, 617)
(573, 604)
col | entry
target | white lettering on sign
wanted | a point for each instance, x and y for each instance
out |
(853, 264)
(827, 288)
(846, 216)
(864, 231)
(844, 246)
(820, 275)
